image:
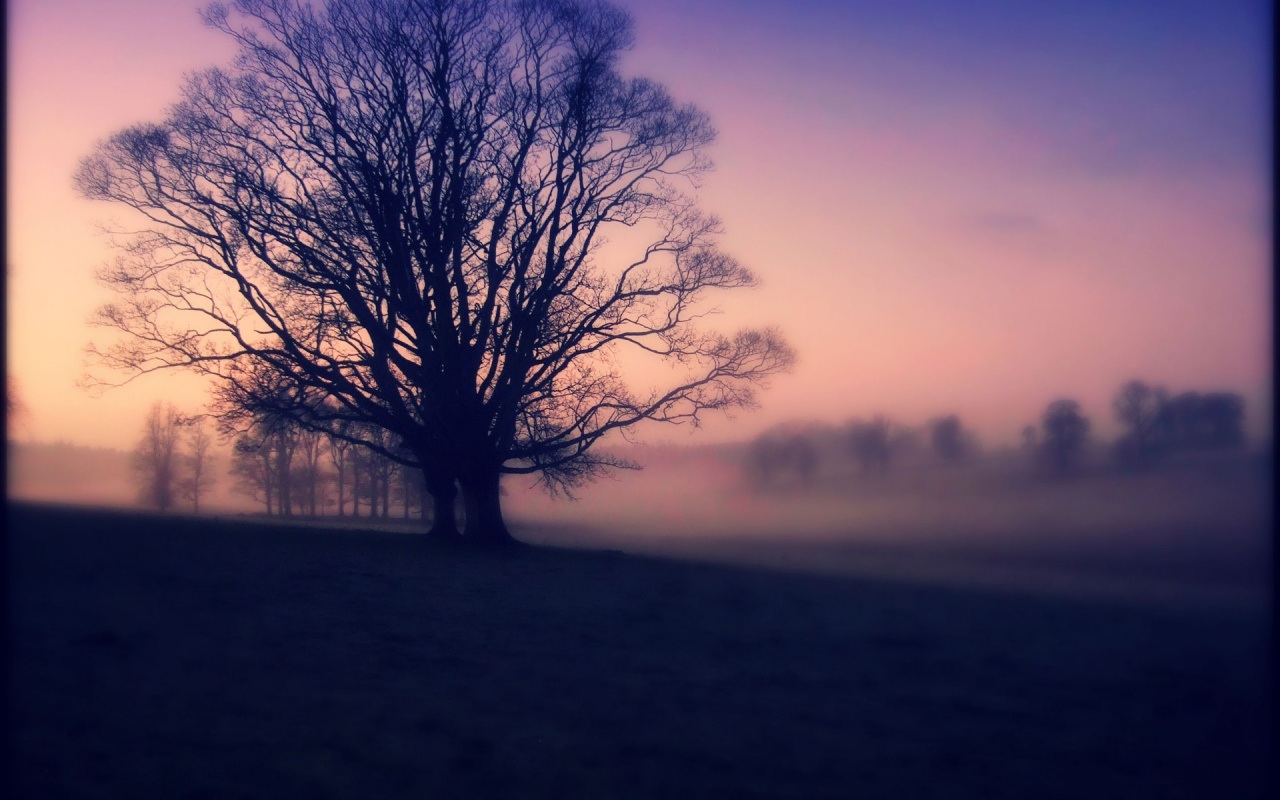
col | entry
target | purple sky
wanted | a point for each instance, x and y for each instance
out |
(972, 208)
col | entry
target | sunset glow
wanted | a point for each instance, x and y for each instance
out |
(950, 209)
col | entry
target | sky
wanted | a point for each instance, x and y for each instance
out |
(971, 208)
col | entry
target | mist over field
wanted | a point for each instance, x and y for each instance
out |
(63, 472)
(1198, 521)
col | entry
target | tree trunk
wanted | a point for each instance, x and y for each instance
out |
(355, 487)
(444, 522)
(404, 484)
(482, 503)
(268, 484)
(284, 461)
(386, 493)
(342, 496)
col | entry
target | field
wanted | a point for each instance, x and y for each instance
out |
(175, 657)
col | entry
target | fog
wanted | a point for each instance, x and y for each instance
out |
(62, 472)
(1194, 525)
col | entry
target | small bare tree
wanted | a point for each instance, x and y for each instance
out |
(339, 454)
(199, 478)
(310, 447)
(155, 458)
(251, 466)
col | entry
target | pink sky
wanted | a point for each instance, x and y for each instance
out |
(973, 214)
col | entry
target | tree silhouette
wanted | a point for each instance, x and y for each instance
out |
(339, 455)
(1195, 420)
(869, 442)
(15, 410)
(1222, 418)
(310, 449)
(265, 442)
(1029, 437)
(401, 207)
(251, 467)
(1139, 407)
(1065, 433)
(949, 439)
(155, 458)
(199, 475)
(776, 457)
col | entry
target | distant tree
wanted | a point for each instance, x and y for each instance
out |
(1195, 420)
(1138, 407)
(251, 466)
(1030, 437)
(411, 489)
(777, 458)
(384, 471)
(261, 407)
(407, 488)
(15, 411)
(1065, 433)
(263, 461)
(339, 454)
(869, 442)
(1222, 418)
(358, 459)
(282, 442)
(11, 401)
(1179, 419)
(155, 458)
(199, 475)
(310, 449)
(949, 439)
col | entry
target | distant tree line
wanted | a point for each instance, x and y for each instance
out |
(291, 470)
(1158, 423)
(294, 471)
(1155, 423)
(789, 458)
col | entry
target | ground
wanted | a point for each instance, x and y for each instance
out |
(176, 657)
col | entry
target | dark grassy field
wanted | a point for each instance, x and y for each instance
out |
(171, 657)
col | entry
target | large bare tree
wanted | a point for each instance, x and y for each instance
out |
(402, 207)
